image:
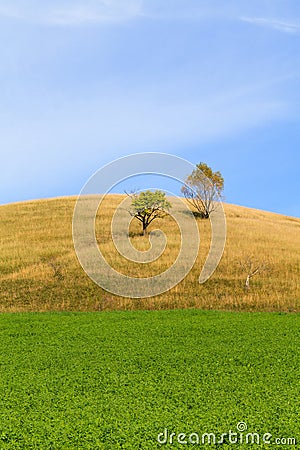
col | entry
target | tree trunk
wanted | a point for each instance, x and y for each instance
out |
(144, 229)
(247, 284)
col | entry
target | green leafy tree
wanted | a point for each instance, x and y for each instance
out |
(148, 206)
(203, 188)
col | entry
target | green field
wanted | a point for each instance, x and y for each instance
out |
(114, 380)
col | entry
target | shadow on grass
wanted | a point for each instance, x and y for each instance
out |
(196, 214)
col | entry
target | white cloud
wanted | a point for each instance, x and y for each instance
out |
(286, 27)
(67, 12)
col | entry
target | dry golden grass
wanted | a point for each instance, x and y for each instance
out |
(39, 270)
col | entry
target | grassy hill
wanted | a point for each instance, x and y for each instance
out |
(39, 270)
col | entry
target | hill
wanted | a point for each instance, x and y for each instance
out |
(39, 270)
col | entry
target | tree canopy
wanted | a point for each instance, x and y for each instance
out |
(148, 206)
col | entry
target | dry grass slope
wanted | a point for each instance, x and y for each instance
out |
(39, 270)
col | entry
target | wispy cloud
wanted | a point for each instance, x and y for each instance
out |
(78, 12)
(286, 27)
(67, 12)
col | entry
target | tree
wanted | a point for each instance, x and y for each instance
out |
(203, 188)
(253, 267)
(148, 206)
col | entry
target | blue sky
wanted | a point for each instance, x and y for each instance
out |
(83, 82)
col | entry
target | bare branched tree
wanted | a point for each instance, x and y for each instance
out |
(253, 267)
(57, 271)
